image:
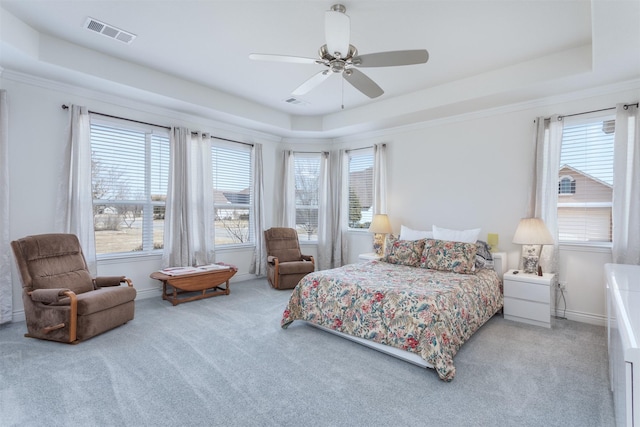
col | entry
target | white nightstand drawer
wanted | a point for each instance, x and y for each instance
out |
(528, 291)
(526, 310)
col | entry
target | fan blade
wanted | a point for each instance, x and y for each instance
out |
(392, 59)
(311, 83)
(337, 31)
(282, 58)
(363, 83)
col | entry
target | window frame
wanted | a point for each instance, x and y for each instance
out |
(306, 238)
(585, 120)
(148, 205)
(239, 147)
(361, 153)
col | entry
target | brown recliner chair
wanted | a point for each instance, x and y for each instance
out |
(286, 265)
(62, 302)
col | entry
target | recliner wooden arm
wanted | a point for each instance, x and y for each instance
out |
(55, 295)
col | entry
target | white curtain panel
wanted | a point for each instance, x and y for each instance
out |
(548, 142)
(188, 233)
(6, 287)
(325, 239)
(74, 209)
(626, 186)
(380, 179)
(259, 262)
(288, 217)
(338, 183)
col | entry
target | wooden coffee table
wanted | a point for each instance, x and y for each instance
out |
(207, 283)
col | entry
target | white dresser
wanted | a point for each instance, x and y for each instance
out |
(623, 335)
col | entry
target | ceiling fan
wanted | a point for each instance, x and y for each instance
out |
(340, 57)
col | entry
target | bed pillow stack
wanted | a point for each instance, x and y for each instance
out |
(442, 249)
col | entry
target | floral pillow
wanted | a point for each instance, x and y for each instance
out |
(445, 255)
(403, 252)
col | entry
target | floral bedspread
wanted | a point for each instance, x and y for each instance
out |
(428, 312)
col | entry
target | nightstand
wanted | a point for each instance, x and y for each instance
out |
(371, 256)
(527, 297)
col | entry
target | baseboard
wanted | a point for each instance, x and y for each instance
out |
(592, 319)
(18, 315)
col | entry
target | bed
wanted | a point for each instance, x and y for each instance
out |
(419, 303)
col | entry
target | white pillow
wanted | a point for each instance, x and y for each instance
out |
(466, 236)
(408, 234)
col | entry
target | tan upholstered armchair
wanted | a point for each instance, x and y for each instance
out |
(285, 263)
(62, 302)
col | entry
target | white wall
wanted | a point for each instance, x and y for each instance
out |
(476, 171)
(37, 136)
(460, 172)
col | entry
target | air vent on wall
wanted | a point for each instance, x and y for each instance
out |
(109, 30)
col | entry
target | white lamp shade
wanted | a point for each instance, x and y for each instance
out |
(380, 224)
(532, 231)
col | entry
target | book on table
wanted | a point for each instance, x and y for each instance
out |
(177, 271)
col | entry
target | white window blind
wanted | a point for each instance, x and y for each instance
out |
(360, 188)
(307, 181)
(585, 182)
(130, 165)
(233, 195)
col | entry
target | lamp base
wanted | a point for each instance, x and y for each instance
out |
(530, 264)
(378, 244)
(531, 258)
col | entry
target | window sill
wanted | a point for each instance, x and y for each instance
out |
(581, 247)
(117, 258)
(358, 230)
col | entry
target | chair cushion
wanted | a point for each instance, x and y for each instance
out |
(283, 243)
(296, 267)
(56, 261)
(102, 299)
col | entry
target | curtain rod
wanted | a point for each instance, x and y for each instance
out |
(362, 148)
(626, 107)
(66, 107)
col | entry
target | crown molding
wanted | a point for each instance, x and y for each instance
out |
(251, 134)
(628, 85)
(209, 125)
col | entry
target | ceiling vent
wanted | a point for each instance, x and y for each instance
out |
(295, 101)
(109, 31)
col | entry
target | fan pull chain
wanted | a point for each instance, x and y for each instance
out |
(342, 105)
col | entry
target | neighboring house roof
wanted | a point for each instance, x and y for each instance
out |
(221, 197)
(578, 171)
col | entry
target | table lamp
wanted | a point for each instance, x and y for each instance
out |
(532, 231)
(380, 226)
(492, 240)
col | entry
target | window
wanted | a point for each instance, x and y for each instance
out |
(232, 193)
(585, 183)
(567, 185)
(307, 181)
(129, 174)
(360, 188)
